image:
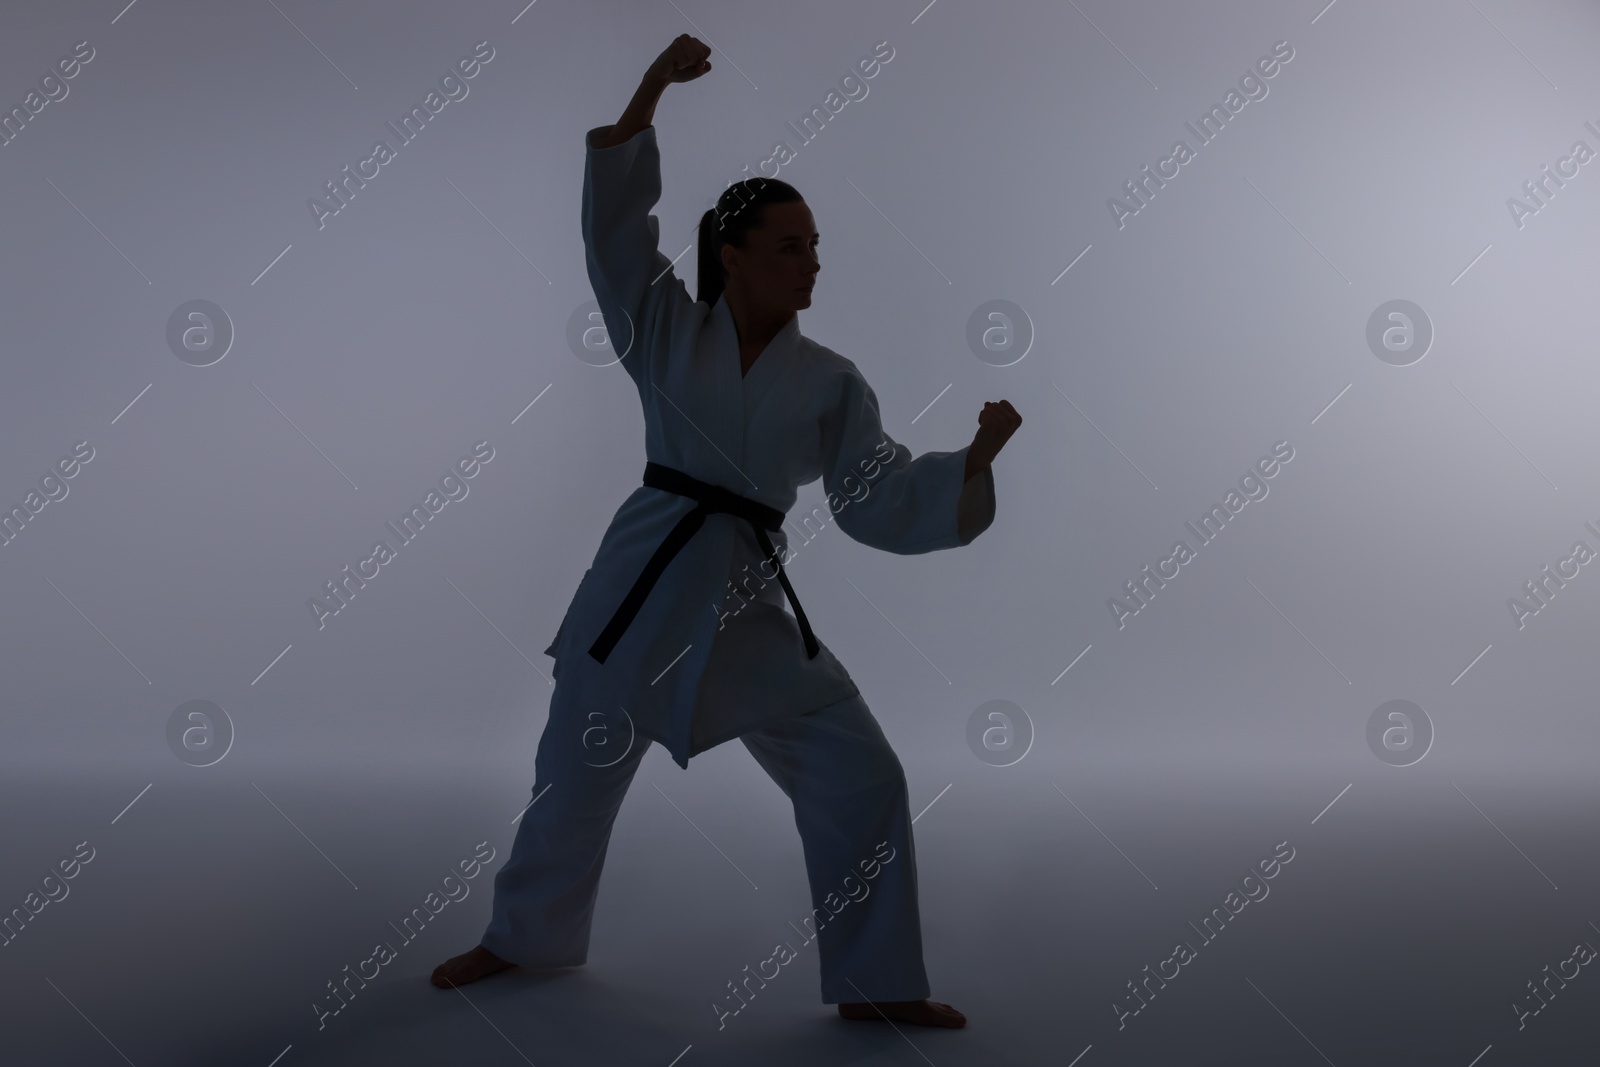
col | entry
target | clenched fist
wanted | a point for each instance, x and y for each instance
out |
(683, 60)
(996, 423)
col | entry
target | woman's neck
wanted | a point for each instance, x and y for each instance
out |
(756, 327)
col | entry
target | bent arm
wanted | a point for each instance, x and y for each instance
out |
(639, 294)
(884, 497)
(640, 112)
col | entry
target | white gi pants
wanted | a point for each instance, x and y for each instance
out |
(849, 795)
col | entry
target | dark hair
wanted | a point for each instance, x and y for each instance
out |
(739, 210)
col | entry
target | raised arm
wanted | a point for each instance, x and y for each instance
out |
(634, 284)
(682, 60)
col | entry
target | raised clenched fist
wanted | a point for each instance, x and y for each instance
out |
(996, 423)
(683, 60)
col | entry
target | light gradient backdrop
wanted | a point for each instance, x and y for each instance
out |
(1144, 764)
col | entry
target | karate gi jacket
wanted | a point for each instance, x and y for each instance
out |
(704, 660)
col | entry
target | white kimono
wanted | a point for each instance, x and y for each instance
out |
(701, 663)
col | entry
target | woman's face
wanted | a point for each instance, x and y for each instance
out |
(778, 265)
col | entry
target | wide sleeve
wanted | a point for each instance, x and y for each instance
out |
(633, 282)
(883, 497)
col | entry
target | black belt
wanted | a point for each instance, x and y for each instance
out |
(711, 498)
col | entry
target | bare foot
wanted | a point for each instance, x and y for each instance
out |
(920, 1012)
(468, 967)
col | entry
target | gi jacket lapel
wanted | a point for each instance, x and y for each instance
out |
(716, 408)
(736, 396)
(740, 395)
(768, 367)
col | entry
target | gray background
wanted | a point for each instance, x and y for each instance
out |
(431, 311)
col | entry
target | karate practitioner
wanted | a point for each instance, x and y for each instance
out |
(677, 632)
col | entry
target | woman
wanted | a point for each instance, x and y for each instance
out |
(740, 410)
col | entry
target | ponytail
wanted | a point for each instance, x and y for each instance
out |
(709, 260)
(729, 223)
